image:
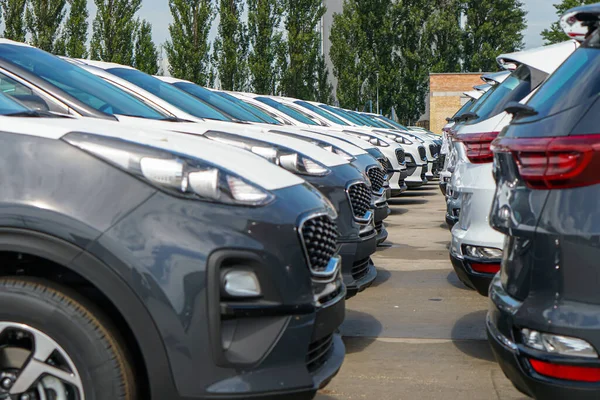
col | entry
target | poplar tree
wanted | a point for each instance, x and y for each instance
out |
(265, 40)
(14, 22)
(555, 34)
(146, 53)
(231, 46)
(188, 48)
(114, 30)
(43, 19)
(75, 32)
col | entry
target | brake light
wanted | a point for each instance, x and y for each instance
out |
(478, 146)
(485, 268)
(566, 372)
(555, 162)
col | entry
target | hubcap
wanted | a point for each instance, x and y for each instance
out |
(34, 367)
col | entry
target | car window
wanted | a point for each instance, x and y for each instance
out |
(576, 81)
(467, 106)
(260, 113)
(8, 106)
(218, 102)
(286, 110)
(321, 112)
(170, 94)
(514, 88)
(342, 114)
(78, 83)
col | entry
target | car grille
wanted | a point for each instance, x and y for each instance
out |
(360, 199)
(422, 153)
(435, 150)
(400, 156)
(319, 237)
(318, 353)
(377, 177)
(387, 164)
(379, 226)
(360, 269)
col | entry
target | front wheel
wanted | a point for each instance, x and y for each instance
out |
(55, 344)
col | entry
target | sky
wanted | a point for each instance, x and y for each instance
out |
(540, 14)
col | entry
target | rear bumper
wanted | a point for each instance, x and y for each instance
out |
(358, 270)
(474, 280)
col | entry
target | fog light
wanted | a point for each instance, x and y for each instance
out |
(556, 344)
(239, 283)
(483, 253)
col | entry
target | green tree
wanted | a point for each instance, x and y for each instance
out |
(73, 40)
(43, 19)
(231, 46)
(14, 22)
(146, 54)
(303, 48)
(114, 30)
(443, 31)
(555, 34)
(324, 89)
(493, 27)
(264, 17)
(188, 49)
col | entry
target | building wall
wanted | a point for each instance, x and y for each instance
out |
(446, 96)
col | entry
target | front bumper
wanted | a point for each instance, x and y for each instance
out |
(418, 177)
(474, 280)
(505, 316)
(358, 271)
(381, 212)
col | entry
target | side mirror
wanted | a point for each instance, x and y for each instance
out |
(32, 101)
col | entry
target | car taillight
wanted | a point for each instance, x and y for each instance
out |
(478, 146)
(555, 162)
(566, 372)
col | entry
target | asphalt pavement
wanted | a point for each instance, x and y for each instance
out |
(418, 332)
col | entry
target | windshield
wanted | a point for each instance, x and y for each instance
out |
(169, 93)
(269, 119)
(392, 122)
(575, 82)
(286, 110)
(78, 83)
(218, 102)
(514, 88)
(319, 111)
(8, 106)
(342, 114)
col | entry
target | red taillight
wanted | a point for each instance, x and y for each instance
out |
(478, 146)
(556, 162)
(566, 372)
(485, 268)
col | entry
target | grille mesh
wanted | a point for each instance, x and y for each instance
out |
(360, 199)
(377, 177)
(400, 156)
(319, 235)
(434, 149)
(422, 153)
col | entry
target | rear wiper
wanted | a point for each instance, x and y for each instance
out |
(469, 116)
(520, 110)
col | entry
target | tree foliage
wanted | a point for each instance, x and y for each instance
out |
(43, 19)
(303, 47)
(146, 54)
(114, 30)
(75, 32)
(14, 22)
(555, 34)
(231, 46)
(265, 41)
(188, 48)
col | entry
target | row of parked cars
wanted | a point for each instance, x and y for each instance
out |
(164, 240)
(521, 180)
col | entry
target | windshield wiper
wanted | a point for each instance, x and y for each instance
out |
(174, 119)
(26, 113)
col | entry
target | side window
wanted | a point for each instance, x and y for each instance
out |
(29, 97)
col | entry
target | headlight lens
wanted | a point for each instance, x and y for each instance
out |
(180, 176)
(556, 344)
(285, 158)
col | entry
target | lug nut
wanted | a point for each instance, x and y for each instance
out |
(6, 383)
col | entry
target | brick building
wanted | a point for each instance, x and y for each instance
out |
(446, 95)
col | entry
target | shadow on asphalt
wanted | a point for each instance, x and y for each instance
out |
(359, 330)
(462, 334)
(383, 275)
(418, 193)
(452, 279)
(444, 226)
(426, 187)
(405, 201)
(397, 210)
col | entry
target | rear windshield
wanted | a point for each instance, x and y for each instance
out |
(8, 106)
(287, 110)
(169, 93)
(466, 107)
(84, 86)
(577, 81)
(330, 117)
(514, 88)
(217, 101)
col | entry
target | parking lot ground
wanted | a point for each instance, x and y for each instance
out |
(418, 332)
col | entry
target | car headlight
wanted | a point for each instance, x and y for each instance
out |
(286, 158)
(180, 176)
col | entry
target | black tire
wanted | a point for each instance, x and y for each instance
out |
(79, 327)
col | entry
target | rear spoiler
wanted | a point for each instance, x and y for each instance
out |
(495, 77)
(580, 22)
